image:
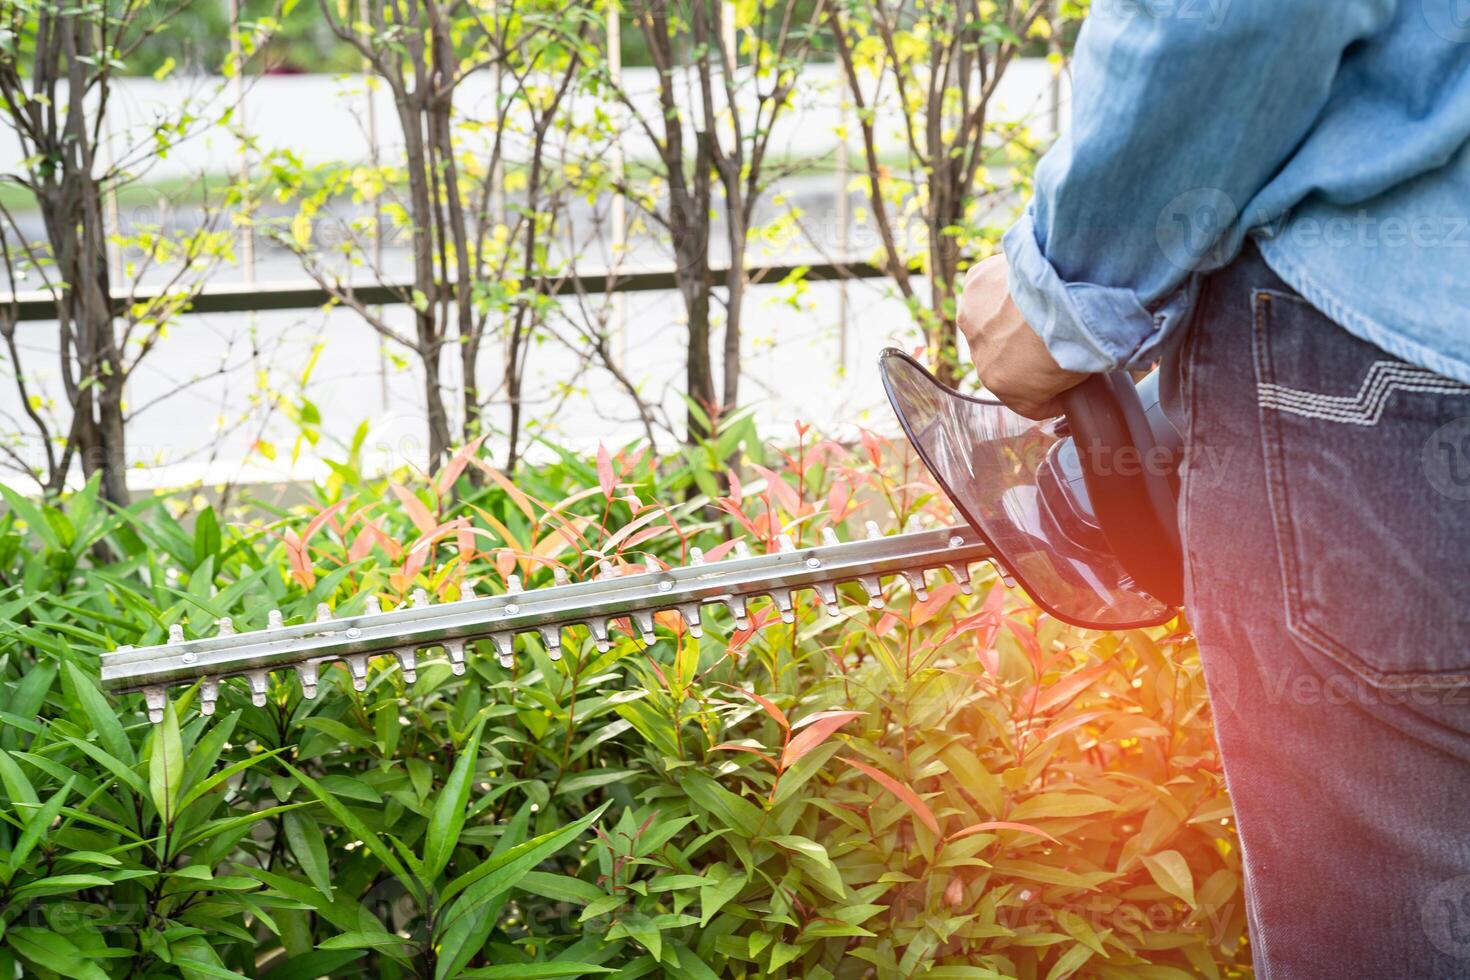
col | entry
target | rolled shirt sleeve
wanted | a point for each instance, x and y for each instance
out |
(1182, 113)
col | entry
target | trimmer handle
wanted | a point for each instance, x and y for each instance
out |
(1129, 464)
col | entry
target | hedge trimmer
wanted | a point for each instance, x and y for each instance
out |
(1054, 504)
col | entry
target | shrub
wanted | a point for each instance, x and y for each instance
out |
(953, 787)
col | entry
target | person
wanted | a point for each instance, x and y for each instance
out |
(1271, 199)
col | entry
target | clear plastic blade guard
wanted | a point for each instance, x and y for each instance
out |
(1018, 483)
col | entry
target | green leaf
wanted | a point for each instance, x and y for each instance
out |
(690, 965)
(646, 931)
(448, 817)
(112, 764)
(22, 794)
(54, 952)
(495, 877)
(720, 890)
(206, 536)
(559, 888)
(363, 940)
(1171, 872)
(1069, 962)
(535, 971)
(304, 837)
(358, 829)
(101, 715)
(1060, 805)
(61, 885)
(37, 824)
(733, 811)
(166, 764)
(196, 790)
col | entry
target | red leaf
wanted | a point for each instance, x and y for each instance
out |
(1068, 688)
(464, 542)
(954, 892)
(516, 494)
(732, 747)
(646, 534)
(819, 730)
(758, 619)
(318, 521)
(980, 828)
(605, 478)
(720, 550)
(886, 622)
(626, 465)
(909, 797)
(361, 547)
(737, 494)
(444, 479)
(837, 500)
(930, 607)
(301, 569)
(769, 707)
(413, 563)
(817, 716)
(1027, 639)
(870, 443)
(417, 512)
(784, 492)
(729, 507)
(1076, 721)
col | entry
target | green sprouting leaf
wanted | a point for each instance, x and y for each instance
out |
(166, 765)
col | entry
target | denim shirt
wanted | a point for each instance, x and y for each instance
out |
(1336, 133)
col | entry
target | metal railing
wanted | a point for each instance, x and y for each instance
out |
(263, 297)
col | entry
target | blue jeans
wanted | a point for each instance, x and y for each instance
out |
(1325, 505)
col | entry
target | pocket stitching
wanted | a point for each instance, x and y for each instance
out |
(1278, 499)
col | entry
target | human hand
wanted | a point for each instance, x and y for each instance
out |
(1011, 358)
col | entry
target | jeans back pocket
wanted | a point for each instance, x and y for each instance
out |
(1368, 465)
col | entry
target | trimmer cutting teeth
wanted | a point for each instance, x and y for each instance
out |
(1080, 511)
(599, 604)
